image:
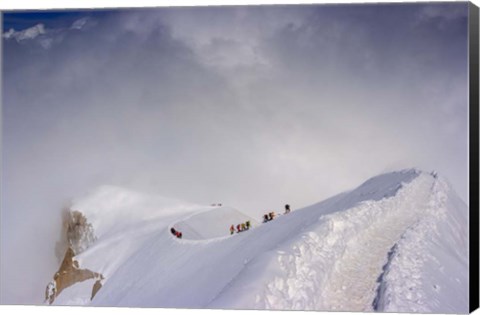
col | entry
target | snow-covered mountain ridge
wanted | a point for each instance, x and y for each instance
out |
(399, 242)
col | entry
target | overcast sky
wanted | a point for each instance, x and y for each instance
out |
(254, 107)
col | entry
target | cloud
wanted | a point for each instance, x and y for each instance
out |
(29, 33)
(80, 23)
(249, 106)
(45, 37)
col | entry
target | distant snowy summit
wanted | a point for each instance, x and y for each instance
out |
(397, 243)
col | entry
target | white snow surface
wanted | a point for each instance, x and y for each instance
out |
(78, 294)
(397, 243)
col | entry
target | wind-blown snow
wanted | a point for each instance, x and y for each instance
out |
(396, 243)
(112, 209)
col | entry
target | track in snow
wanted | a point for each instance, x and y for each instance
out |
(337, 263)
(353, 284)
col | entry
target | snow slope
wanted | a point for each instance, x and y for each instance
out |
(396, 243)
(78, 294)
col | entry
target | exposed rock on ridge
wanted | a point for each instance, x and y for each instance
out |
(79, 236)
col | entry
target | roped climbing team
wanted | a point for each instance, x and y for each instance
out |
(241, 226)
(266, 217)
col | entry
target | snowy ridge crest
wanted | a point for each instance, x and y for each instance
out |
(329, 256)
(396, 243)
(421, 272)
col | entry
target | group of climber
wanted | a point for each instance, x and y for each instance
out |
(246, 226)
(271, 215)
(240, 227)
(268, 217)
(178, 234)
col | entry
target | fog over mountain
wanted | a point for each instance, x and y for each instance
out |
(252, 107)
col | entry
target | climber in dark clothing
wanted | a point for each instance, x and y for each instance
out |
(287, 208)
